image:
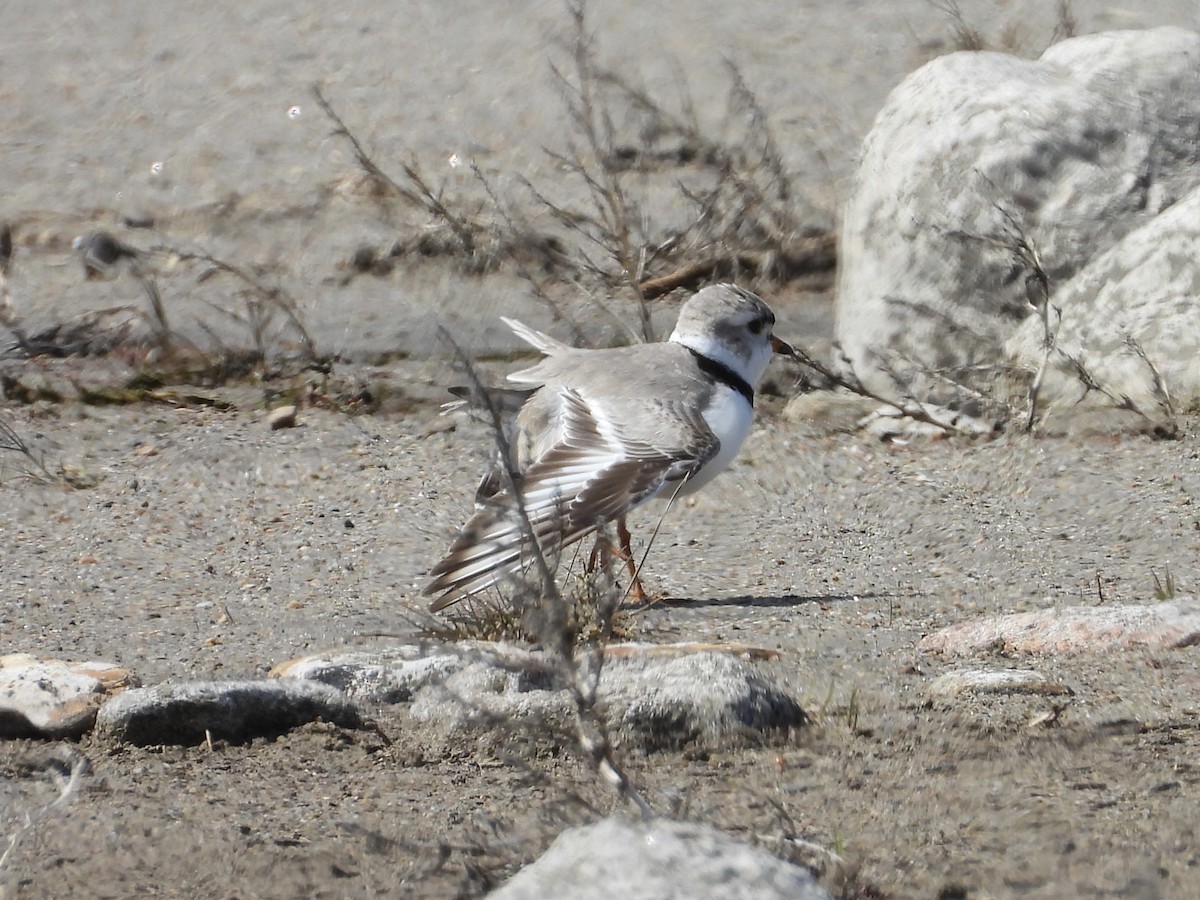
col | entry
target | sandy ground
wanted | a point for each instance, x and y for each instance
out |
(206, 545)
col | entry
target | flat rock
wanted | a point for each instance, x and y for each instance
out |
(660, 860)
(652, 697)
(49, 698)
(972, 682)
(1075, 629)
(977, 151)
(234, 711)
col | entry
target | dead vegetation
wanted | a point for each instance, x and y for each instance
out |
(66, 769)
(1012, 36)
(603, 232)
(1015, 240)
(613, 243)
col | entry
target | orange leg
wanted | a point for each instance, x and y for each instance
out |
(624, 552)
(636, 592)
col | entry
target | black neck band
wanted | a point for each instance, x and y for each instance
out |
(725, 375)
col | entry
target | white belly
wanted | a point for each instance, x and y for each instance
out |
(729, 416)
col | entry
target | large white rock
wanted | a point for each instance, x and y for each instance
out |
(1131, 319)
(1074, 150)
(660, 860)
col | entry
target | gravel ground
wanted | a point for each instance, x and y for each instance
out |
(199, 543)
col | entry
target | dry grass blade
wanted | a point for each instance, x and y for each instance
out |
(1011, 36)
(8, 313)
(1158, 384)
(418, 193)
(34, 462)
(158, 309)
(77, 767)
(964, 35)
(512, 479)
(261, 300)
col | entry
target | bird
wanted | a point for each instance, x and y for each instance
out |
(599, 432)
(101, 253)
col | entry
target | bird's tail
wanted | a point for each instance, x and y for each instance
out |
(538, 340)
(494, 544)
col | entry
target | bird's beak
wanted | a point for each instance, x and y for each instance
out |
(781, 346)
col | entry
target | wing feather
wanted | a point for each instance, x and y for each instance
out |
(591, 475)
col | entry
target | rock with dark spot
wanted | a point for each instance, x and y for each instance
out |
(235, 711)
(650, 699)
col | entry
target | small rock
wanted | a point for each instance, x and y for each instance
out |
(139, 219)
(228, 710)
(994, 681)
(282, 417)
(660, 860)
(50, 698)
(1076, 629)
(658, 703)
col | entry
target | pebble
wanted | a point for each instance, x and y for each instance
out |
(282, 417)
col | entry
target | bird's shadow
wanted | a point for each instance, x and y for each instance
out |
(787, 601)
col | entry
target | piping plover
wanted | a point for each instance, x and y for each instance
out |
(603, 431)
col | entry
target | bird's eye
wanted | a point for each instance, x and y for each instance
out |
(757, 326)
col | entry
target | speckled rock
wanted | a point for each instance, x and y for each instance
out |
(651, 699)
(381, 675)
(52, 698)
(1131, 319)
(993, 681)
